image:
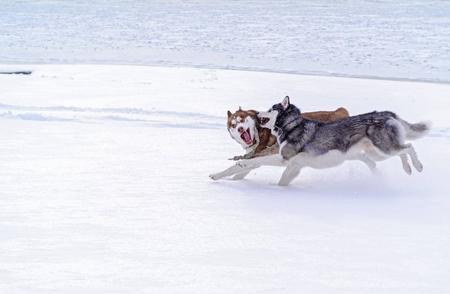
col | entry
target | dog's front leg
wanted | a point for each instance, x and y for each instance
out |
(240, 168)
(240, 176)
(249, 155)
(294, 166)
(289, 174)
(243, 167)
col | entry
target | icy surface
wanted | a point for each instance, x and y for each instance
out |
(397, 39)
(104, 188)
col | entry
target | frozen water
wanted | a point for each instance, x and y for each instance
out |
(396, 39)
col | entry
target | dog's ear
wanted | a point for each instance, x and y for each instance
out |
(240, 108)
(229, 114)
(285, 103)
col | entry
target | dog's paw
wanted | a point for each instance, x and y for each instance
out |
(214, 177)
(240, 157)
(376, 172)
(407, 168)
(236, 158)
(418, 166)
(283, 183)
(241, 164)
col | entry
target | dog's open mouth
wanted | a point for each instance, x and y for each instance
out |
(247, 137)
(263, 120)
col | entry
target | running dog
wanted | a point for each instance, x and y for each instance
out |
(261, 146)
(245, 128)
(367, 137)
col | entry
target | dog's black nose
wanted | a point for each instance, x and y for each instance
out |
(240, 129)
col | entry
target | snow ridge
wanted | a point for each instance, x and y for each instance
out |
(156, 118)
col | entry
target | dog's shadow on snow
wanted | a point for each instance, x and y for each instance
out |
(318, 197)
(362, 186)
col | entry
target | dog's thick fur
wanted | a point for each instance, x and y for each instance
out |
(260, 142)
(368, 138)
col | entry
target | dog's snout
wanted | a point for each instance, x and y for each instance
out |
(264, 120)
(240, 129)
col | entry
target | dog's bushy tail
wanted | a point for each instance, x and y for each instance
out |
(416, 130)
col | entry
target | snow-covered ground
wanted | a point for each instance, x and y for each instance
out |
(399, 39)
(104, 188)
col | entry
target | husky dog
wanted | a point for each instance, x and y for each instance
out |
(367, 137)
(261, 146)
(245, 128)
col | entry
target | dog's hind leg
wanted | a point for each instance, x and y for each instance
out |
(413, 155)
(405, 150)
(390, 141)
(405, 163)
(367, 161)
(362, 152)
(402, 150)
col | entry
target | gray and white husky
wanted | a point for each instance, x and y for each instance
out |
(367, 137)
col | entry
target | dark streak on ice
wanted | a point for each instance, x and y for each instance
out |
(25, 72)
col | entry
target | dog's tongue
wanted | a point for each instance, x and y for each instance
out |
(246, 137)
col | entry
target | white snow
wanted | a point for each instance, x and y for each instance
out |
(104, 188)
